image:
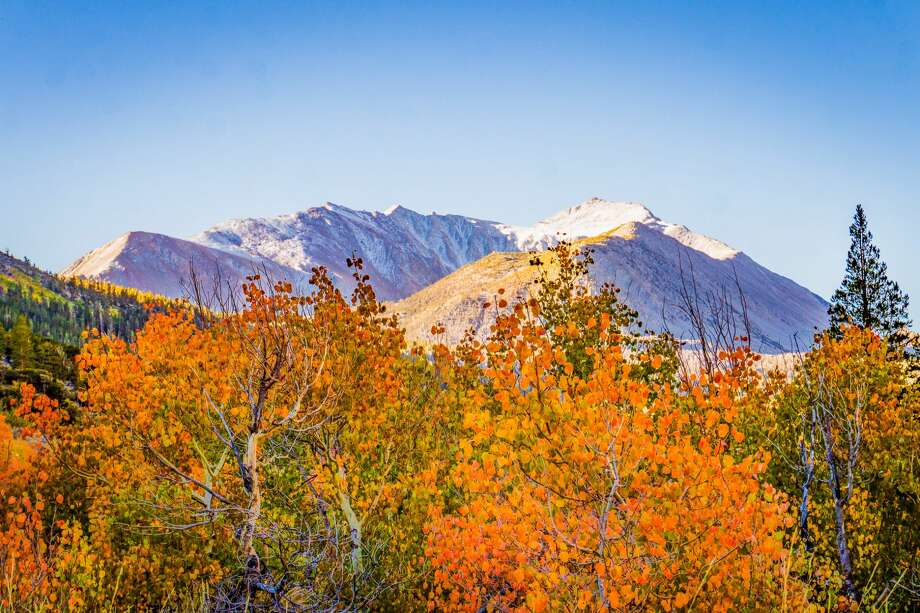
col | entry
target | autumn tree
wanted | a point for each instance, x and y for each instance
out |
(867, 297)
(379, 450)
(846, 429)
(294, 438)
(28, 537)
(19, 547)
(601, 491)
(215, 441)
(580, 319)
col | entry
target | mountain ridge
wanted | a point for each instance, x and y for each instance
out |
(161, 264)
(406, 252)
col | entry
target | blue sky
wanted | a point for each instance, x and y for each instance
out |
(762, 124)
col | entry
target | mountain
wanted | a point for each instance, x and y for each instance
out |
(403, 251)
(406, 251)
(162, 264)
(653, 263)
(415, 258)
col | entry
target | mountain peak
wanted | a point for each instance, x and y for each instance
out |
(398, 210)
(603, 215)
(590, 218)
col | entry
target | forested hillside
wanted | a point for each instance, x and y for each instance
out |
(43, 363)
(61, 309)
(44, 319)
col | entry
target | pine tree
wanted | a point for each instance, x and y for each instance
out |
(21, 343)
(867, 297)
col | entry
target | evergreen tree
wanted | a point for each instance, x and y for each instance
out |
(21, 343)
(867, 297)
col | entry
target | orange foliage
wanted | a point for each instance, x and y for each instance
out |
(542, 470)
(24, 550)
(607, 492)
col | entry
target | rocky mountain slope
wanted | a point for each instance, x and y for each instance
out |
(403, 251)
(655, 265)
(162, 265)
(409, 253)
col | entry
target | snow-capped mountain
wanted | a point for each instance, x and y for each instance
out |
(403, 250)
(406, 252)
(596, 217)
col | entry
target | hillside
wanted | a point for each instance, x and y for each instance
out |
(456, 301)
(161, 264)
(61, 309)
(651, 267)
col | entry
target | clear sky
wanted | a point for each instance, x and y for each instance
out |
(762, 124)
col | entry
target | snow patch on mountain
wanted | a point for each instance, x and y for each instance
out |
(598, 216)
(591, 218)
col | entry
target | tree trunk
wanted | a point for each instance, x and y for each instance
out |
(254, 509)
(803, 511)
(253, 571)
(843, 552)
(354, 524)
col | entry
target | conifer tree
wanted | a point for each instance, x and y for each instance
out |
(867, 297)
(21, 343)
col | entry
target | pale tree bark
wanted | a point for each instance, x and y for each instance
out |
(840, 441)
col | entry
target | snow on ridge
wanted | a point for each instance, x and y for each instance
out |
(398, 239)
(710, 246)
(281, 237)
(590, 218)
(597, 216)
